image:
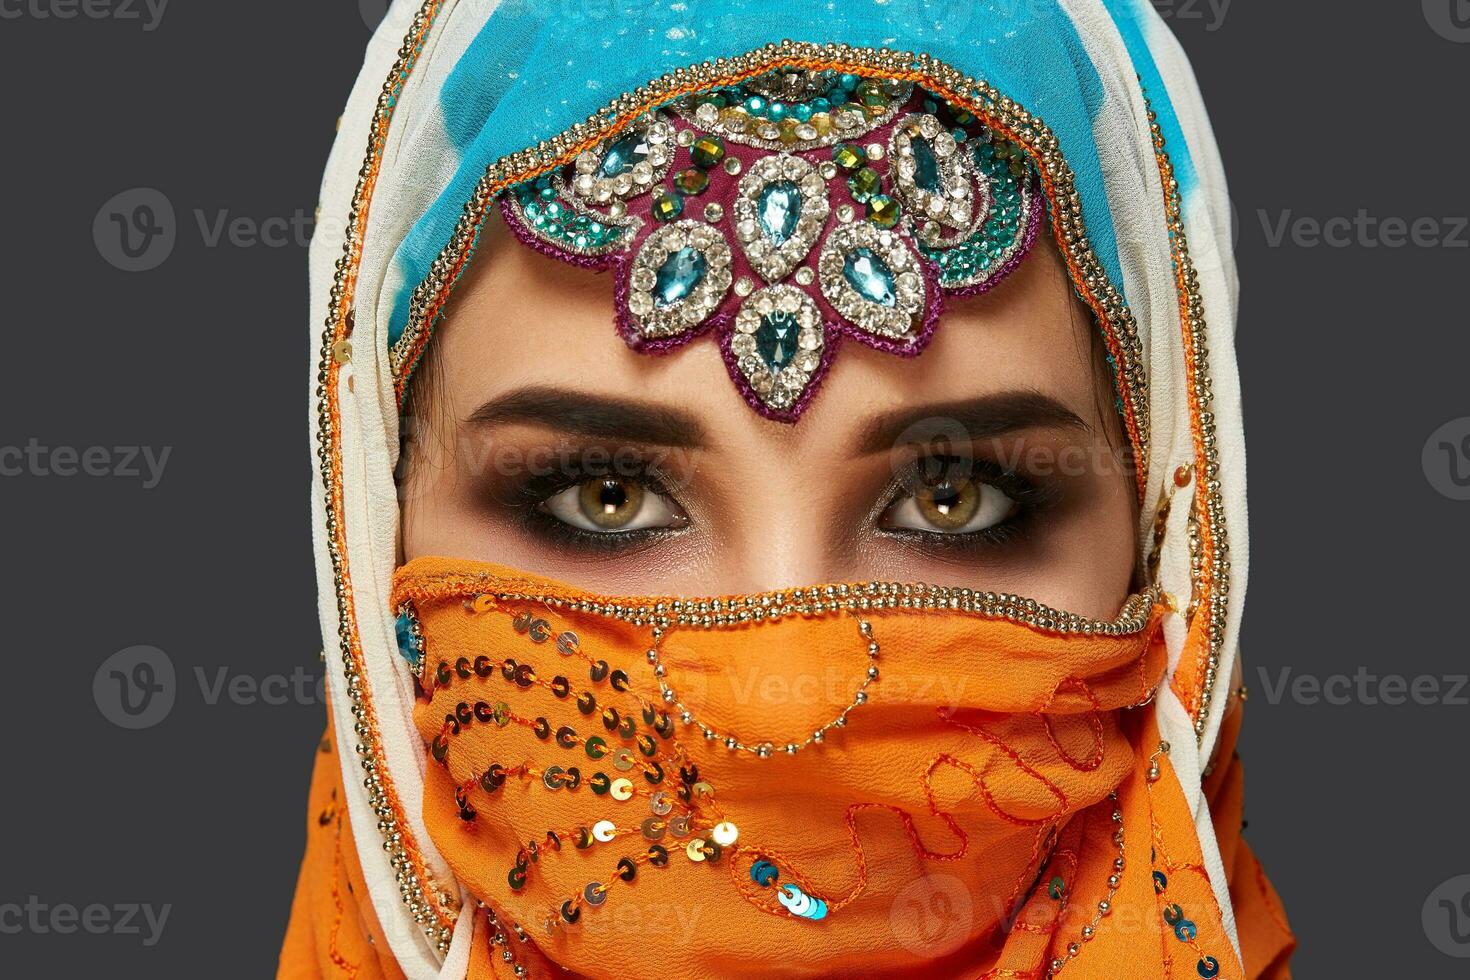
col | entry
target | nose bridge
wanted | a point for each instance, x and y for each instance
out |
(781, 532)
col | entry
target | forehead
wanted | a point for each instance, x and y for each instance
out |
(520, 318)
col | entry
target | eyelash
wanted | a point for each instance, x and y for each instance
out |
(1030, 499)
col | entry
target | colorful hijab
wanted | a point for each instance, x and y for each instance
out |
(1091, 108)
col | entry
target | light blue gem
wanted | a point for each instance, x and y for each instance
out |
(870, 276)
(776, 112)
(755, 105)
(678, 276)
(778, 207)
(926, 166)
(409, 645)
(775, 339)
(624, 155)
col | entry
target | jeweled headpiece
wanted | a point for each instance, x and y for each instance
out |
(785, 213)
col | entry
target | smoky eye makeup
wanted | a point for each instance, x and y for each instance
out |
(585, 497)
(951, 502)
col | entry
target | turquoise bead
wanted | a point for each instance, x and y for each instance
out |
(677, 276)
(870, 276)
(777, 208)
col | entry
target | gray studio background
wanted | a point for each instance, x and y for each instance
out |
(156, 491)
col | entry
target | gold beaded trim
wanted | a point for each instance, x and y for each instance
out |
(1208, 543)
(817, 601)
(997, 111)
(433, 907)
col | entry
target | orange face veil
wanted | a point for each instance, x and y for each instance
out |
(865, 778)
(1015, 793)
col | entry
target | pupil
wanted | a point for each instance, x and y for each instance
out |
(945, 498)
(611, 496)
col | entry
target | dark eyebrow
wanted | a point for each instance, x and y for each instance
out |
(592, 415)
(978, 418)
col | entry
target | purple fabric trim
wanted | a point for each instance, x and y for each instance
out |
(831, 337)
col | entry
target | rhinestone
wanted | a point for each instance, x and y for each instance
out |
(864, 184)
(775, 339)
(713, 212)
(732, 165)
(691, 180)
(668, 206)
(778, 207)
(678, 275)
(624, 154)
(926, 166)
(707, 151)
(805, 275)
(883, 210)
(870, 276)
(743, 287)
(875, 151)
(844, 212)
(847, 156)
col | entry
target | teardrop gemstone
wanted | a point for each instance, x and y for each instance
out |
(676, 278)
(775, 339)
(926, 166)
(870, 276)
(778, 207)
(624, 154)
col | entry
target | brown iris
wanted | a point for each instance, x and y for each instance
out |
(949, 504)
(610, 502)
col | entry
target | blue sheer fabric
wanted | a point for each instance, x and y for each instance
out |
(539, 66)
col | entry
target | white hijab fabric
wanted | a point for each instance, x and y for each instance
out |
(420, 159)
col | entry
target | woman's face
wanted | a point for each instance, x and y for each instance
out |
(991, 461)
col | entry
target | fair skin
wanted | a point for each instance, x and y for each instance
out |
(990, 461)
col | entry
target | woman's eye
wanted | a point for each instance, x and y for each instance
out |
(612, 504)
(951, 505)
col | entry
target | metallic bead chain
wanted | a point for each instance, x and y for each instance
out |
(1106, 905)
(498, 938)
(764, 750)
